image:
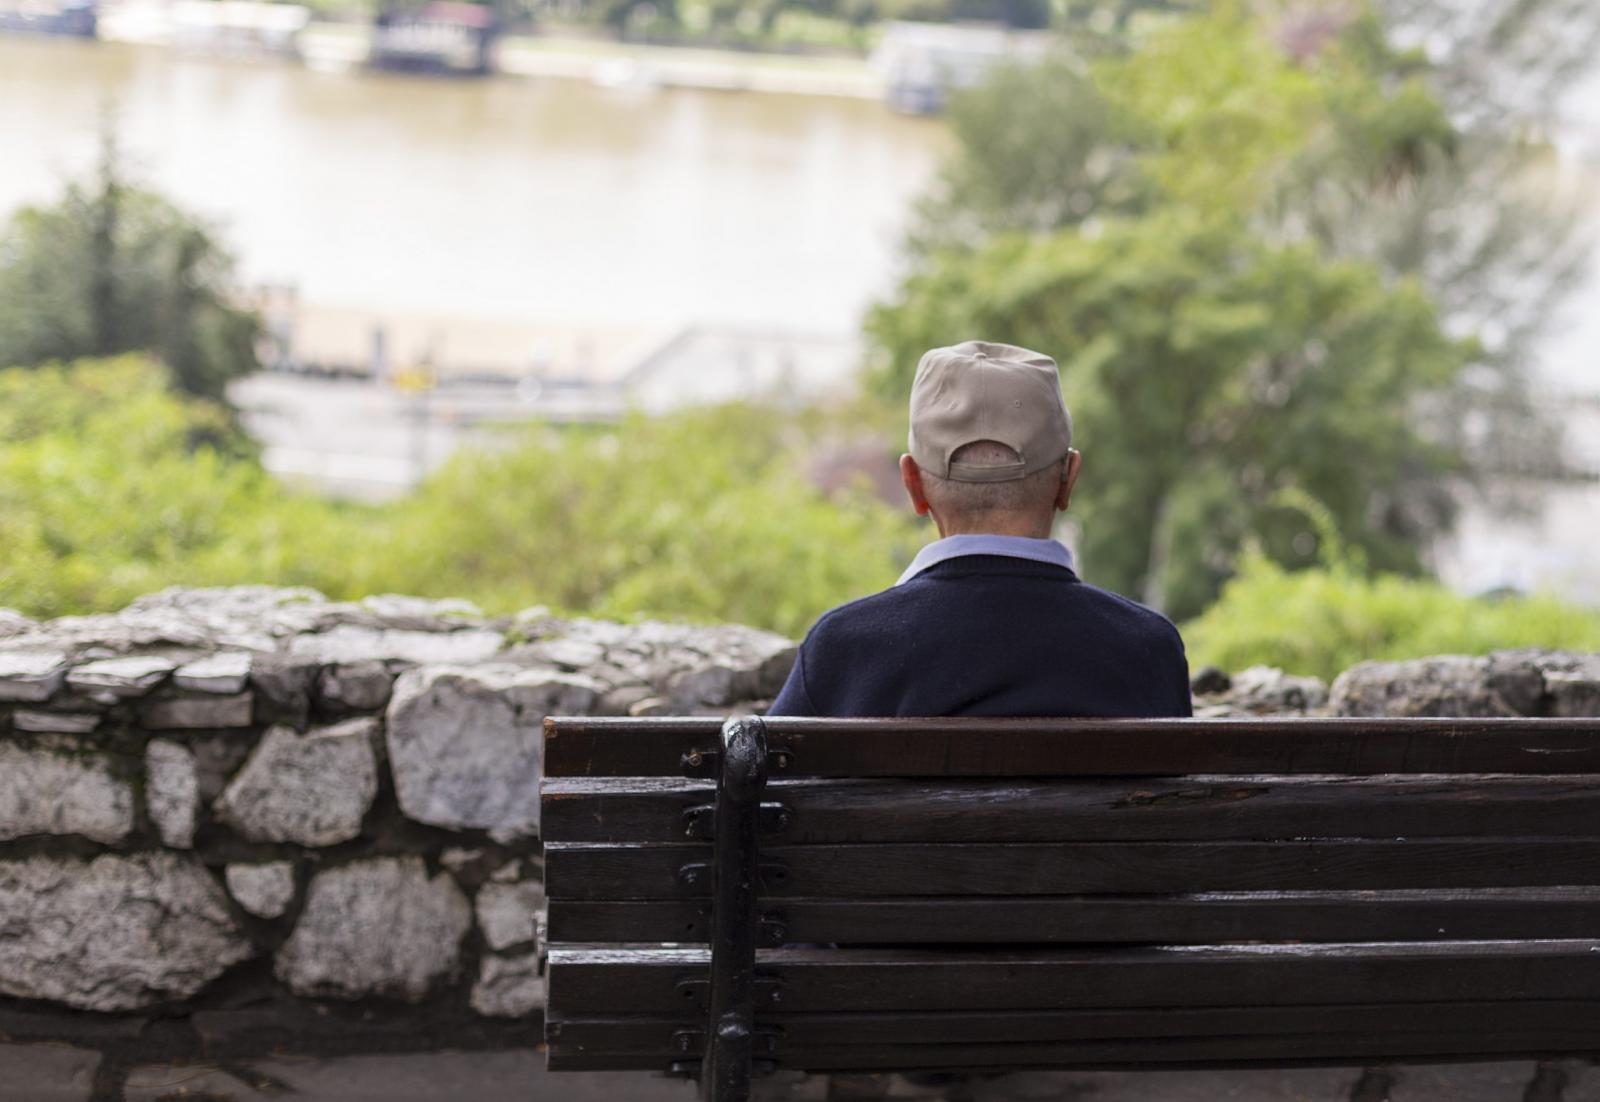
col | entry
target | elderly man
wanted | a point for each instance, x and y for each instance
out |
(990, 619)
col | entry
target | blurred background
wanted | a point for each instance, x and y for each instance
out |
(612, 305)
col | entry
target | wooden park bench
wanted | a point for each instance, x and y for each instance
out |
(856, 895)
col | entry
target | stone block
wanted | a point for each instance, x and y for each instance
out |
(201, 712)
(1575, 691)
(217, 757)
(171, 791)
(122, 678)
(13, 622)
(1266, 691)
(39, 721)
(1449, 685)
(115, 933)
(350, 643)
(568, 654)
(397, 610)
(225, 673)
(508, 914)
(621, 700)
(1516, 679)
(284, 686)
(265, 890)
(465, 745)
(356, 686)
(508, 987)
(376, 927)
(718, 666)
(31, 676)
(312, 789)
(62, 788)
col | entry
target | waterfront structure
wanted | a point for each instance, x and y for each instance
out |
(446, 37)
(922, 63)
(76, 18)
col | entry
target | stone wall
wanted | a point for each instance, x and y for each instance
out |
(242, 820)
(239, 820)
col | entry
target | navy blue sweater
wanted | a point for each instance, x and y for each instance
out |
(988, 635)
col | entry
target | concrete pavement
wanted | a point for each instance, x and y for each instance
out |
(63, 1073)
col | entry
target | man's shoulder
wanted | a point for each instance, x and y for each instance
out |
(903, 606)
(872, 609)
(1132, 612)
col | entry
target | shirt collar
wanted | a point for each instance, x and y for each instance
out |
(1014, 547)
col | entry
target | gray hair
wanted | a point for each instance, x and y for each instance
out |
(1029, 494)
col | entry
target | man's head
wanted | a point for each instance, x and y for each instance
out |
(990, 442)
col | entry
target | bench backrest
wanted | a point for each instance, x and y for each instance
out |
(1009, 893)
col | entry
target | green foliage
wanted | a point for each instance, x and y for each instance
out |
(1006, 179)
(113, 269)
(1214, 112)
(704, 514)
(112, 486)
(1324, 620)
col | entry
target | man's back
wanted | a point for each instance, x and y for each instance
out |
(989, 620)
(989, 635)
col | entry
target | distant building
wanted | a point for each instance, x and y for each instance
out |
(446, 37)
(76, 18)
(922, 63)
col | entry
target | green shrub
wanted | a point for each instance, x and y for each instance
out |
(1324, 620)
(112, 485)
(705, 514)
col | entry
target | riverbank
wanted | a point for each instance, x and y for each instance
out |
(622, 64)
(334, 47)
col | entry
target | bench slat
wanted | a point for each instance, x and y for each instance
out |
(598, 981)
(1201, 919)
(1320, 1049)
(611, 809)
(615, 747)
(598, 872)
(634, 1033)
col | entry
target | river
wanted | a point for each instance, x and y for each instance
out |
(534, 201)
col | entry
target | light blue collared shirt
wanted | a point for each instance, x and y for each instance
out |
(1014, 547)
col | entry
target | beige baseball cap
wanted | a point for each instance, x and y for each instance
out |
(980, 390)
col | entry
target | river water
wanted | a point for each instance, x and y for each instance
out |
(536, 201)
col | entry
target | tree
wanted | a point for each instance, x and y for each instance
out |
(1302, 133)
(1207, 372)
(114, 268)
(1040, 147)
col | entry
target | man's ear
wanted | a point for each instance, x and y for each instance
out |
(1069, 478)
(911, 476)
